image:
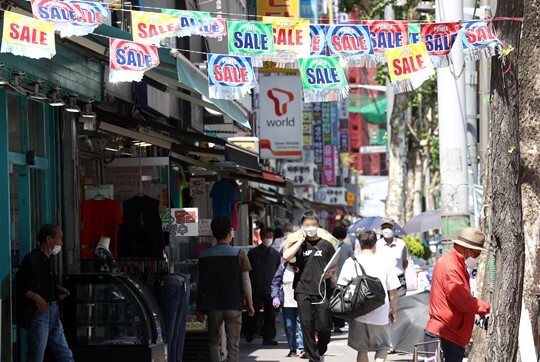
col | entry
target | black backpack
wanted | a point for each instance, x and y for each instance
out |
(362, 295)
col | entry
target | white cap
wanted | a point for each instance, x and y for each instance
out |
(104, 242)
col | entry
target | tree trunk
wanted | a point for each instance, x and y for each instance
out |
(395, 200)
(529, 78)
(507, 233)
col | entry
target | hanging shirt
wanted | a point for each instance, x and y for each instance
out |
(223, 195)
(99, 218)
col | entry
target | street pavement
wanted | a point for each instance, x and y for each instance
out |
(338, 351)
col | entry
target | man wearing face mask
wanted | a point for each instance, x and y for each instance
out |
(395, 251)
(37, 298)
(313, 249)
(264, 262)
(452, 308)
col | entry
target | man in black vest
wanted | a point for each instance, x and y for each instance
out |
(223, 282)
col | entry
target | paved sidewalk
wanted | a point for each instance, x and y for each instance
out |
(338, 351)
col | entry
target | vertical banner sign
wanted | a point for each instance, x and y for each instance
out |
(216, 29)
(318, 144)
(184, 222)
(307, 131)
(335, 123)
(71, 17)
(386, 35)
(323, 79)
(409, 66)
(308, 10)
(329, 167)
(479, 40)
(190, 21)
(353, 43)
(26, 36)
(291, 40)
(152, 28)
(439, 39)
(343, 113)
(327, 123)
(344, 141)
(250, 38)
(229, 77)
(318, 40)
(280, 130)
(128, 60)
(285, 8)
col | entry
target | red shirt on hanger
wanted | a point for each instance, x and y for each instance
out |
(99, 218)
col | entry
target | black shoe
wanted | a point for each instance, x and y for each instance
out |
(338, 331)
(292, 354)
(270, 342)
(249, 339)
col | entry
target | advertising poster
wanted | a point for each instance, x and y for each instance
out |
(184, 222)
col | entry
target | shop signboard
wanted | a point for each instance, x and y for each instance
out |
(301, 174)
(280, 127)
(204, 227)
(197, 186)
(184, 223)
(307, 130)
(344, 141)
(329, 166)
(318, 144)
(327, 123)
(331, 196)
(287, 8)
(334, 114)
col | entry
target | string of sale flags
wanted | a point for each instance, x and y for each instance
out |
(320, 52)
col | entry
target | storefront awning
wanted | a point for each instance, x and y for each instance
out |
(373, 110)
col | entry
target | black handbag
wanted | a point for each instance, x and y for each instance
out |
(362, 295)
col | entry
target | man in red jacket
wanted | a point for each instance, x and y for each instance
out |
(452, 308)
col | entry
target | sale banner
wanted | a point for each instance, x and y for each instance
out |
(291, 40)
(190, 21)
(229, 77)
(479, 40)
(386, 35)
(71, 17)
(318, 39)
(216, 29)
(353, 43)
(128, 60)
(439, 39)
(152, 28)
(409, 66)
(323, 79)
(252, 39)
(23, 35)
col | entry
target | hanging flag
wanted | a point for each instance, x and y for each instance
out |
(439, 39)
(251, 39)
(318, 39)
(71, 17)
(386, 35)
(353, 43)
(216, 29)
(229, 77)
(323, 79)
(409, 66)
(190, 21)
(128, 60)
(152, 28)
(479, 40)
(23, 35)
(291, 40)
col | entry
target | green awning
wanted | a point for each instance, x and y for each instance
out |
(373, 109)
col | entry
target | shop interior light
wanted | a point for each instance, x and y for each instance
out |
(37, 94)
(55, 99)
(138, 143)
(88, 113)
(72, 106)
(17, 83)
(111, 148)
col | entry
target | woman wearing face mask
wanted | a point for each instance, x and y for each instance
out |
(312, 254)
(264, 262)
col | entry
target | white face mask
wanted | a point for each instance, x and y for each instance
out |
(267, 242)
(55, 250)
(311, 231)
(471, 262)
(388, 233)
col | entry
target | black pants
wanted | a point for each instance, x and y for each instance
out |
(314, 318)
(269, 317)
(451, 352)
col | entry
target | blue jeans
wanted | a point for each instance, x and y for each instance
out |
(46, 329)
(291, 322)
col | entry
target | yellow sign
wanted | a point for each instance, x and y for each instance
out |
(151, 28)
(23, 35)
(408, 61)
(351, 197)
(271, 67)
(287, 8)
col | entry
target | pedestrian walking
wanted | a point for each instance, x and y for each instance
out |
(38, 295)
(452, 308)
(370, 332)
(313, 249)
(288, 229)
(264, 262)
(395, 251)
(345, 253)
(283, 296)
(223, 282)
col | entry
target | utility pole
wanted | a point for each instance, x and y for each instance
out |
(453, 131)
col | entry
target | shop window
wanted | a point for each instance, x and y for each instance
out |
(36, 126)
(15, 123)
(14, 206)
